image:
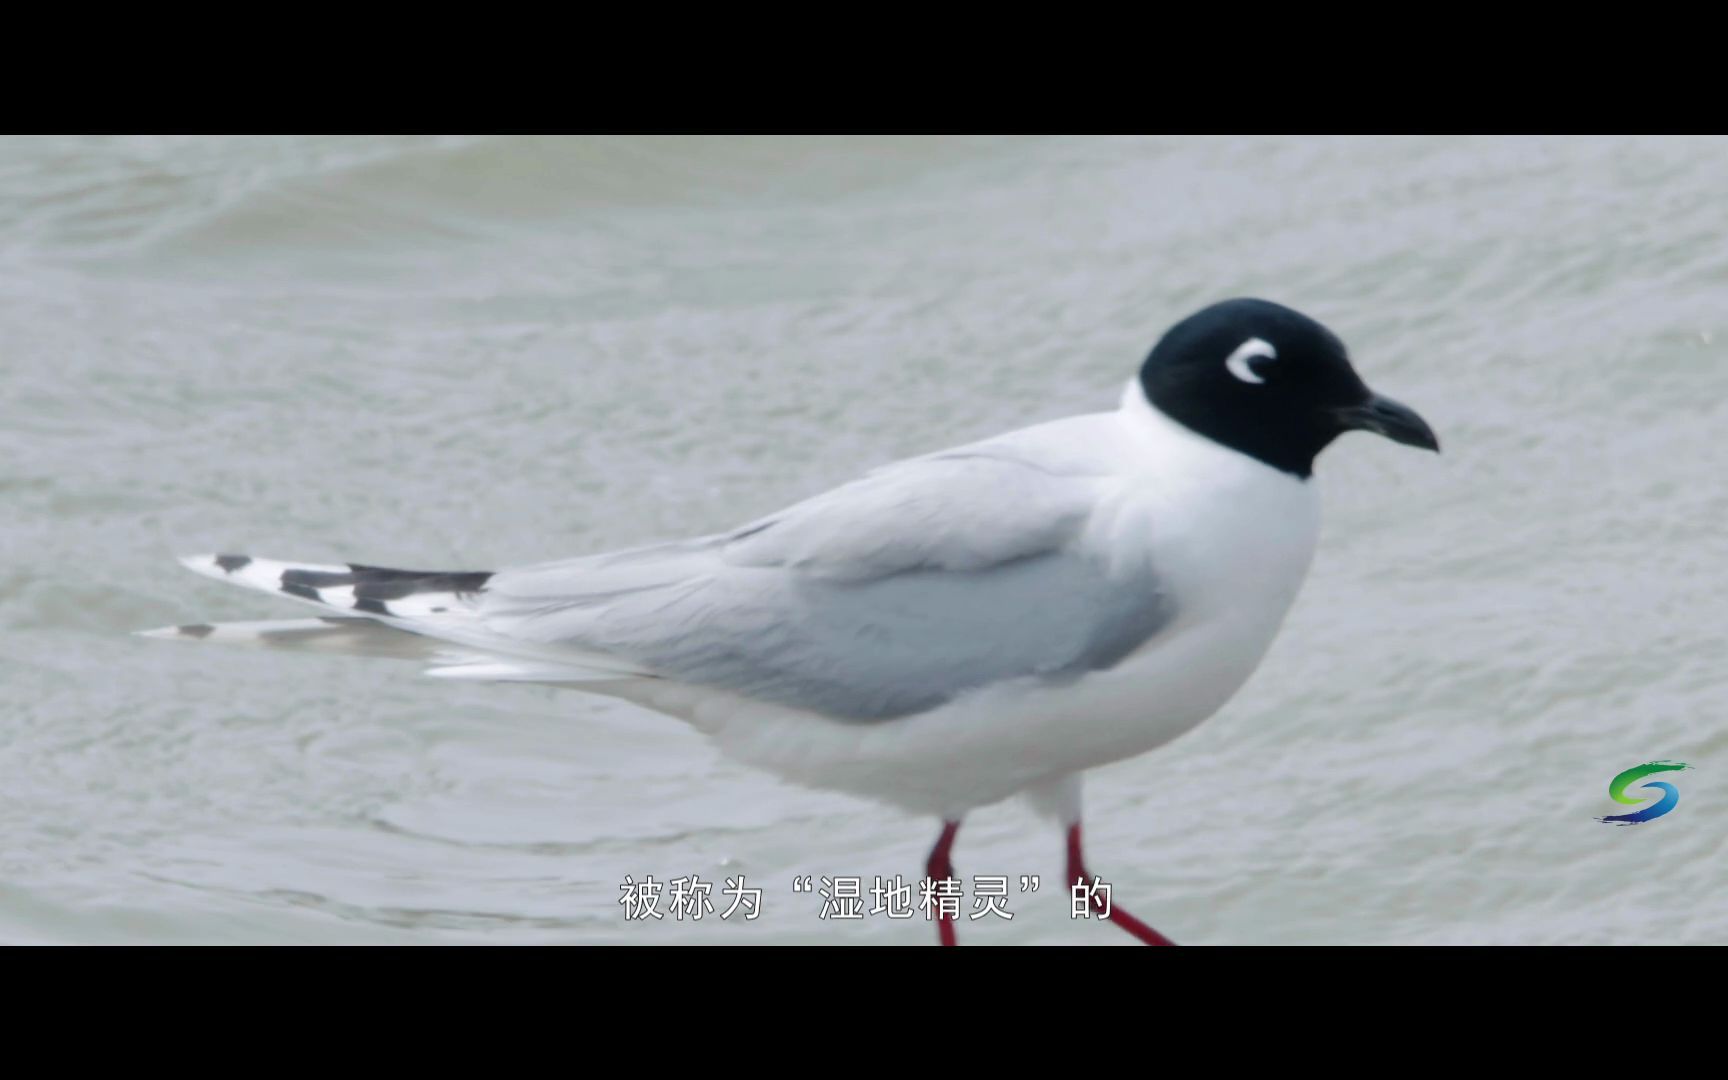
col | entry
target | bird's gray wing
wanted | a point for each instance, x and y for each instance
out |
(882, 598)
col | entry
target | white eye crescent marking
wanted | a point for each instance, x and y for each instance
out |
(1248, 350)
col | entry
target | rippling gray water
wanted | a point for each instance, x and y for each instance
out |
(471, 352)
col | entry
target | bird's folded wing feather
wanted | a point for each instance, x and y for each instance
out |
(883, 598)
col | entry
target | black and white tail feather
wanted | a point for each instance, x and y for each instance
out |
(424, 615)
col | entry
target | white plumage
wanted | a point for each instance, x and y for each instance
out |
(1223, 540)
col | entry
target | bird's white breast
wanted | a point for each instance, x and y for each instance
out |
(1232, 539)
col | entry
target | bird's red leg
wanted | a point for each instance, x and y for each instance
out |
(1077, 873)
(939, 868)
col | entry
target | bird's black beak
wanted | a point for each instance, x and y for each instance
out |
(1397, 422)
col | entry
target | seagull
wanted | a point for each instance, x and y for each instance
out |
(945, 632)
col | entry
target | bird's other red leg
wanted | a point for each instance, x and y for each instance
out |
(1077, 874)
(940, 868)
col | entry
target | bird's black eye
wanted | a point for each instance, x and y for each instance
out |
(1238, 362)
